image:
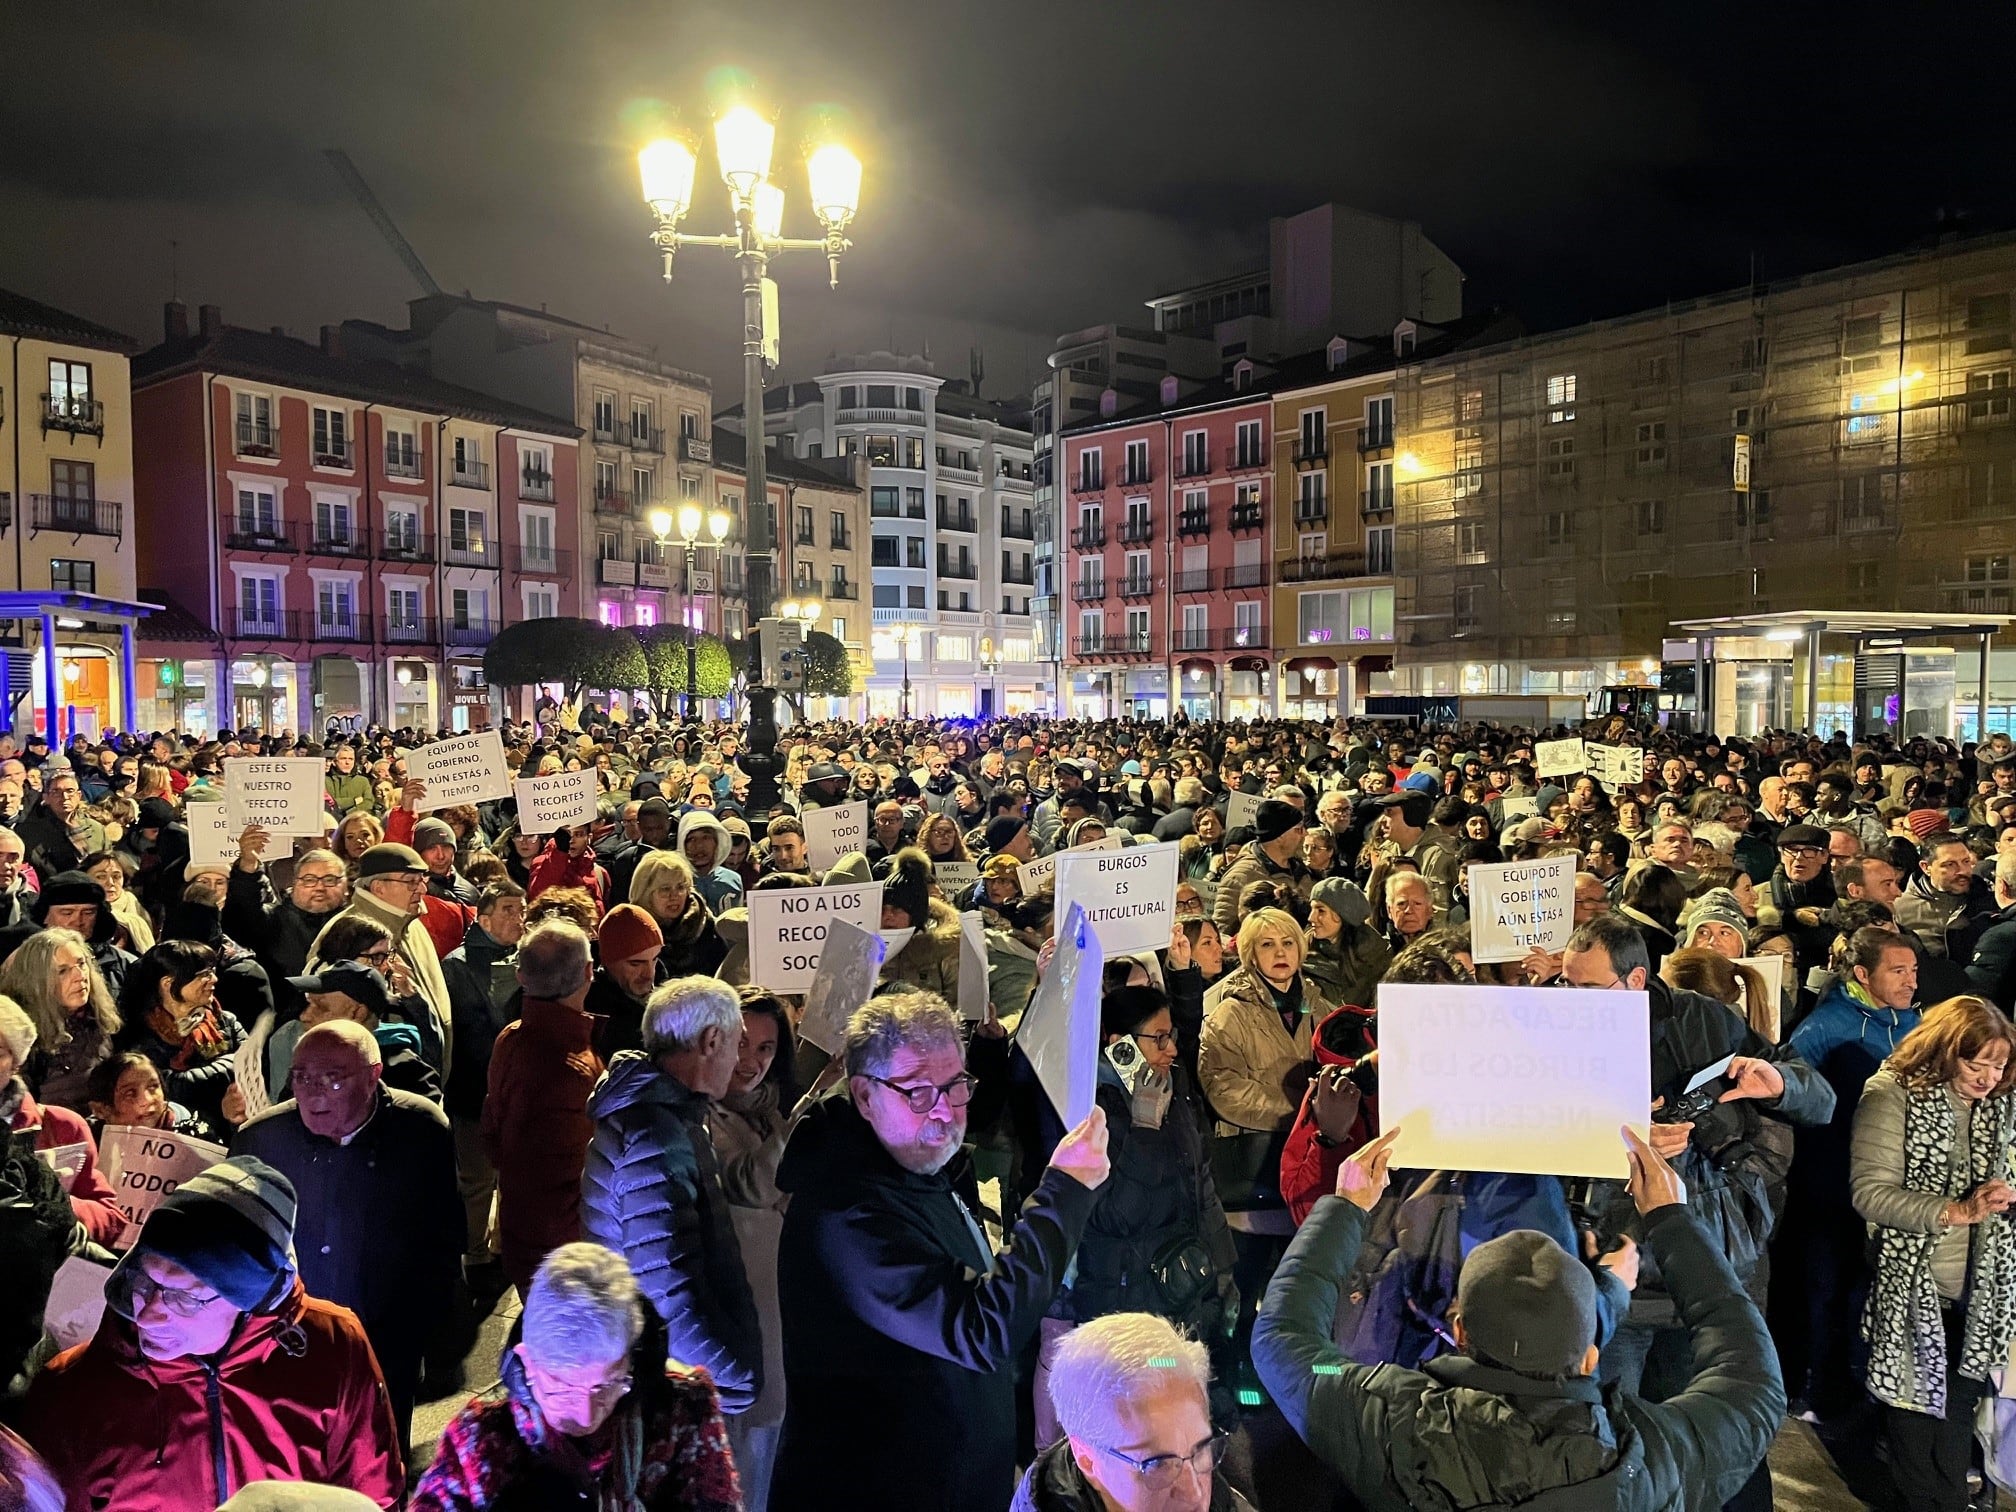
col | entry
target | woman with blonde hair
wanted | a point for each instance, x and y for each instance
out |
(939, 838)
(1709, 972)
(1928, 1172)
(357, 833)
(55, 978)
(663, 887)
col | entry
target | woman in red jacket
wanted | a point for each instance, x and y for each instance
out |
(56, 1129)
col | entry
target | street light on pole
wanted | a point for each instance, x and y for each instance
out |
(689, 522)
(902, 639)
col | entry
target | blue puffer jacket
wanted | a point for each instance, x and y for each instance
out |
(1845, 1042)
(651, 1191)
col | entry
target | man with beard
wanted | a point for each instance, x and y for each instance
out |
(900, 1322)
(280, 930)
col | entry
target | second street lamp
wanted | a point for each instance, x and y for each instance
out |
(689, 523)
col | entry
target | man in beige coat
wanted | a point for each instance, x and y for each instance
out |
(391, 891)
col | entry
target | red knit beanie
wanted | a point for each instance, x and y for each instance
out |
(628, 931)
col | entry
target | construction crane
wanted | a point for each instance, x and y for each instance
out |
(347, 171)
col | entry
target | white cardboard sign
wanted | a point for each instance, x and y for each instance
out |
(1558, 758)
(212, 840)
(468, 769)
(76, 1302)
(1522, 807)
(1040, 873)
(1241, 808)
(249, 1071)
(142, 1166)
(67, 1161)
(565, 800)
(973, 982)
(954, 875)
(1129, 896)
(1772, 969)
(1616, 766)
(1059, 1031)
(1521, 906)
(850, 959)
(835, 831)
(787, 929)
(1532, 1080)
(283, 795)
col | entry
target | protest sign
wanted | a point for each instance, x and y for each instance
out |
(833, 832)
(1616, 767)
(1772, 969)
(1059, 1032)
(565, 800)
(973, 984)
(1037, 875)
(142, 1166)
(1532, 1080)
(850, 958)
(1524, 807)
(76, 1302)
(955, 876)
(248, 1069)
(896, 939)
(212, 840)
(1129, 895)
(467, 769)
(283, 795)
(66, 1161)
(1558, 758)
(1241, 808)
(787, 929)
(1521, 906)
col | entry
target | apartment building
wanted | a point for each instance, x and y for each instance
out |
(337, 538)
(1838, 442)
(68, 602)
(646, 444)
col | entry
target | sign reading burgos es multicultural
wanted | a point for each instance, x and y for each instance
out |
(787, 928)
(281, 794)
(1129, 896)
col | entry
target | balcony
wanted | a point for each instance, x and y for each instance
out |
(1375, 438)
(469, 472)
(77, 414)
(1014, 529)
(1322, 569)
(1194, 523)
(1246, 458)
(1246, 638)
(695, 449)
(412, 630)
(1137, 476)
(1246, 575)
(612, 501)
(535, 485)
(1194, 466)
(605, 430)
(952, 467)
(77, 517)
(1085, 537)
(803, 538)
(338, 544)
(840, 540)
(1092, 592)
(1137, 587)
(337, 456)
(275, 539)
(963, 568)
(345, 629)
(616, 572)
(1089, 645)
(1013, 579)
(276, 625)
(405, 546)
(1312, 511)
(1095, 483)
(1192, 640)
(399, 463)
(472, 553)
(960, 520)
(647, 438)
(842, 593)
(732, 584)
(261, 438)
(1376, 501)
(1193, 582)
(1137, 531)
(1311, 451)
(1247, 517)
(541, 561)
(473, 633)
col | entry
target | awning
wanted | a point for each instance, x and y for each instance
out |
(1848, 622)
(1310, 664)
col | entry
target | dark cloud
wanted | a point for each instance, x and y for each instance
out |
(1031, 169)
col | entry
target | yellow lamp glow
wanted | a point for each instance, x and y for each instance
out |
(689, 522)
(1407, 465)
(666, 167)
(742, 141)
(768, 213)
(835, 177)
(718, 524)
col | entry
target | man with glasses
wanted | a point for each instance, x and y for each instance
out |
(380, 1229)
(209, 1342)
(16, 897)
(392, 893)
(281, 930)
(59, 834)
(1800, 893)
(901, 1322)
(1131, 1396)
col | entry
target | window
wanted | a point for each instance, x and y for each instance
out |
(643, 486)
(70, 389)
(1138, 571)
(1091, 469)
(402, 530)
(257, 434)
(645, 614)
(1378, 486)
(332, 521)
(73, 576)
(881, 396)
(1560, 527)
(838, 629)
(258, 604)
(1250, 445)
(542, 601)
(1651, 516)
(1312, 442)
(640, 421)
(1196, 453)
(1319, 619)
(1379, 548)
(915, 597)
(1470, 538)
(605, 480)
(605, 415)
(1754, 510)
(1464, 605)
(913, 551)
(1560, 398)
(1862, 502)
(1988, 323)
(1988, 569)
(1988, 395)
(802, 519)
(1310, 503)
(955, 647)
(882, 503)
(1652, 443)
(606, 547)
(331, 436)
(1137, 462)
(1246, 623)
(1379, 421)
(468, 607)
(535, 530)
(402, 449)
(1138, 629)
(1560, 459)
(1654, 372)
(913, 503)
(1469, 406)
(1312, 546)
(1469, 462)
(689, 424)
(468, 531)
(258, 513)
(402, 608)
(335, 606)
(535, 471)
(884, 551)
(1091, 629)
(609, 613)
(913, 399)
(1092, 573)
(850, 396)
(1561, 603)
(1860, 334)
(888, 596)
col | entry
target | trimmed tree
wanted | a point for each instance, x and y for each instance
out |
(613, 660)
(560, 651)
(829, 673)
(664, 648)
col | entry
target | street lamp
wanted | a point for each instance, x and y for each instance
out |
(903, 639)
(744, 139)
(689, 521)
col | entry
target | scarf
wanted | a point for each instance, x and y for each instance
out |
(612, 1458)
(1907, 1340)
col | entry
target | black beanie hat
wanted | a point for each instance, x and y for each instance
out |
(1003, 830)
(906, 884)
(231, 1227)
(1274, 819)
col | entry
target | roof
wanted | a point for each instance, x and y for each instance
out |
(22, 316)
(731, 456)
(1795, 623)
(171, 622)
(785, 396)
(287, 360)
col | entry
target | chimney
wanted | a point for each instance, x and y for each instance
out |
(175, 320)
(278, 330)
(209, 320)
(332, 340)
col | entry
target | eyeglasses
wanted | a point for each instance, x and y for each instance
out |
(957, 1092)
(1594, 986)
(317, 1081)
(334, 879)
(377, 959)
(597, 1393)
(1163, 1041)
(1162, 1472)
(184, 1304)
(1802, 852)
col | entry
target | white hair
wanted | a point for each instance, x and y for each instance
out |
(1103, 1366)
(583, 1308)
(685, 1008)
(1717, 835)
(17, 1031)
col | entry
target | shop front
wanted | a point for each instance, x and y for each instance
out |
(1197, 689)
(1309, 687)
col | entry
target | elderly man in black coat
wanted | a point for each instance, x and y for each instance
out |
(380, 1226)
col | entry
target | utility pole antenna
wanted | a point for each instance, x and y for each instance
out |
(361, 192)
(174, 269)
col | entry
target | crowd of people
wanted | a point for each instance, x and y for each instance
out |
(443, 1061)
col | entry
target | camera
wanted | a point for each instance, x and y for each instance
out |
(1692, 1107)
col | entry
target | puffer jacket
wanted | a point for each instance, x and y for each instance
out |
(1253, 1070)
(693, 945)
(651, 1191)
(1461, 1434)
(1845, 1042)
(295, 1396)
(1309, 1168)
(1054, 1483)
(929, 959)
(1948, 924)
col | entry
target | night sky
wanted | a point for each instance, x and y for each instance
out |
(1031, 168)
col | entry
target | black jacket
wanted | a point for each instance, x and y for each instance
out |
(278, 933)
(892, 1335)
(482, 999)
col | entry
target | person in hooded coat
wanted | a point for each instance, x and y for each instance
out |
(65, 892)
(713, 878)
(929, 959)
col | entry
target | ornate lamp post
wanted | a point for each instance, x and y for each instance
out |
(902, 639)
(689, 522)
